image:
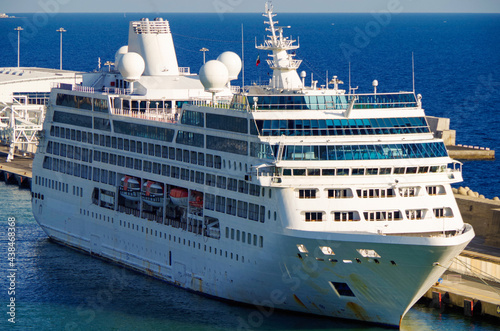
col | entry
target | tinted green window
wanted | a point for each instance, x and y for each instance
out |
(227, 123)
(364, 152)
(73, 119)
(101, 105)
(190, 138)
(74, 101)
(102, 124)
(194, 118)
(143, 131)
(343, 127)
(227, 145)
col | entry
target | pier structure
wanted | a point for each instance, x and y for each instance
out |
(18, 171)
(471, 284)
(440, 127)
(24, 94)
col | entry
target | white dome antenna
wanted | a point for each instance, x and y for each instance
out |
(119, 54)
(233, 63)
(131, 66)
(214, 76)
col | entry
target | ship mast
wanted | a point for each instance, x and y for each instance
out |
(282, 63)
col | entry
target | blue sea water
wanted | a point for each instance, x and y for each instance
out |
(457, 67)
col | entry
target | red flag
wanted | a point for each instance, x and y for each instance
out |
(258, 60)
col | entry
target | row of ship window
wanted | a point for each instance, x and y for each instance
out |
(109, 177)
(235, 207)
(361, 171)
(364, 152)
(80, 170)
(55, 185)
(323, 102)
(342, 127)
(380, 215)
(252, 238)
(342, 193)
(222, 204)
(160, 151)
(183, 155)
(217, 143)
(308, 127)
(244, 237)
(81, 102)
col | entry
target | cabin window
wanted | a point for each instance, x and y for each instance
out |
(408, 191)
(231, 206)
(443, 212)
(346, 216)
(391, 215)
(376, 193)
(436, 190)
(314, 216)
(415, 214)
(242, 209)
(339, 193)
(307, 194)
(328, 172)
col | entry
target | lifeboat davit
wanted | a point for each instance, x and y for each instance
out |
(152, 194)
(179, 197)
(130, 188)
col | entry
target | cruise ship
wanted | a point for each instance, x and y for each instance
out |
(281, 196)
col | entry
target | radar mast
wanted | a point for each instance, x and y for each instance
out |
(282, 63)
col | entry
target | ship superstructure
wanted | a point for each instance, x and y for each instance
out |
(308, 199)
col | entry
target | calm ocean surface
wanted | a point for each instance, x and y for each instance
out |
(457, 67)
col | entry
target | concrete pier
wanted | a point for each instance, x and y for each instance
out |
(18, 171)
(440, 127)
(471, 284)
(470, 152)
(468, 294)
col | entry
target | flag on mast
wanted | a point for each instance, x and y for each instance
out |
(258, 61)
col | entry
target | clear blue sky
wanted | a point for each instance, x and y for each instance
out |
(239, 6)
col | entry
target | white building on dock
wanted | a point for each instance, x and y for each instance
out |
(24, 93)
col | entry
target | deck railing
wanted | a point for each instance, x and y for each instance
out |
(148, 114)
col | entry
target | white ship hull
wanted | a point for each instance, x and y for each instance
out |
(277, 278)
